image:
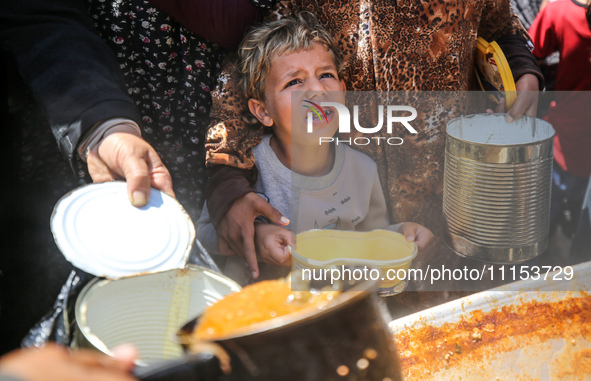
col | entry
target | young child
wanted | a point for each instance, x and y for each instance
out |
(565, 26)
(288, 68)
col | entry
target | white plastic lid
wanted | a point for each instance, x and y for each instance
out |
(98, 230)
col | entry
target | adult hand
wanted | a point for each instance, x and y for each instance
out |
(122, 155)
(55, 363)
(526, 102)
(271, 243)
(236, 229)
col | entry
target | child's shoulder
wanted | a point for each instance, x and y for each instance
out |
(263, 146)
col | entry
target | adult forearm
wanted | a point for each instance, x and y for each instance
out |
(225, 185)
(71, 72)
(521, 60)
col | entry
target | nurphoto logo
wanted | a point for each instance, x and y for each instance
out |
(392, 116)
(316, 109)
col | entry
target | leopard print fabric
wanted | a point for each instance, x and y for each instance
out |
(388, 45)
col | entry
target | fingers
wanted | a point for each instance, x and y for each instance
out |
(279, 255)
(98, 170)
(266, 210)
(249, 251)
(130, 157)
(231, 233)
(102, 367)
(92, 359)
(408, 230)
(533, 109)
(126, 354)
(236, 232)
(136, 173)
(418, 234)
(223, 247)
(272, 243)
(160, 178)
(499, 108)
(283, 256)
(502, 106)
(519, 108)
(56, 363)
(424, 238)
(526, 102)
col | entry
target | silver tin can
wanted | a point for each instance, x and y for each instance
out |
(497, 185)
(146, 310)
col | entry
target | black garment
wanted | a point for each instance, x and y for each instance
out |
(70, 80)
(141, 65)
(34, 176)
(72, 74)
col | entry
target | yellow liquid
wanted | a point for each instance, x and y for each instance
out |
(377, 245)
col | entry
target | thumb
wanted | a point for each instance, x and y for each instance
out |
(136, 172)
(517, 111)
(409, 233)
(273, 214)
(127, 354)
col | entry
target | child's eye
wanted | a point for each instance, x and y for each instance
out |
(292, 83)
(327, 75)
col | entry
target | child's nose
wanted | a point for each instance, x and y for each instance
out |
(315, 88)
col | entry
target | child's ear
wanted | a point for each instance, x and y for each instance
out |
(257, 108)
(343, 87)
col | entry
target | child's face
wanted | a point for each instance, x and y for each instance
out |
(305, 75)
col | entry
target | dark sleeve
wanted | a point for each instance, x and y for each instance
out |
(70, 70)
(222, 22)
(500, 24)
(225, 185)
(520, 58)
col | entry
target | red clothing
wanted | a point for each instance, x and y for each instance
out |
(562, 26)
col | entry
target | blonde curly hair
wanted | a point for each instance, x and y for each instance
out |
(270, 40)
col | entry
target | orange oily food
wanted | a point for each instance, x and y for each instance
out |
(256, 303)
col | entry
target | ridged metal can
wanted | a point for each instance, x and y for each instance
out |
(497, 186)
(146, 310)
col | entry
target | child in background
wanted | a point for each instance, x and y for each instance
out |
(288, 66)
(564, 26)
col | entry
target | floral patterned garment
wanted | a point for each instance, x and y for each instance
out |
(169, 72)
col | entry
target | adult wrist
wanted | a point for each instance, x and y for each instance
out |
(101, 130)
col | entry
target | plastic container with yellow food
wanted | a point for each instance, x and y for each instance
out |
(385, 250)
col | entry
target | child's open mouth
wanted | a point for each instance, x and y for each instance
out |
(320, 115)
(325, 115)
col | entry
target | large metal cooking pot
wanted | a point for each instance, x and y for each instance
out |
(347, 340)
(497, 184)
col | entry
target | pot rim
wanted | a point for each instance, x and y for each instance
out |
(361, 290)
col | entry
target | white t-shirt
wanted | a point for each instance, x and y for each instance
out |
(349, 197)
